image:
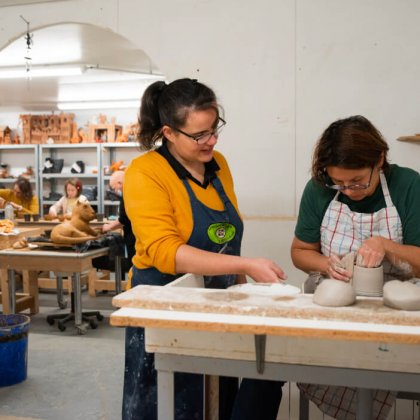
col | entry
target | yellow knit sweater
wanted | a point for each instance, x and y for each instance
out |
(157, 203)
(31, 207)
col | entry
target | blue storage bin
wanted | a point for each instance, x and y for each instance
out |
(13, 348)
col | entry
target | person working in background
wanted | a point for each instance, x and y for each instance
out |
(20, 197)
(356, 201)
(181, 202)
(72, 193)
(116, 183)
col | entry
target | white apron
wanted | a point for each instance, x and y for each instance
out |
(342, 231)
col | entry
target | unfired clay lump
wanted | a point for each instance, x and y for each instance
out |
(402, 295)
(334, 293)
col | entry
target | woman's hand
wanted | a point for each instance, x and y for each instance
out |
(2, 202)
(265, 271)
(107, 227)
(17, 207)
(372, 252)
(335, 270)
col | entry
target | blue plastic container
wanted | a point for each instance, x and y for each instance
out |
(13, 348)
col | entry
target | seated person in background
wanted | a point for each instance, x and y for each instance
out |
(20, 197)
(72, 194)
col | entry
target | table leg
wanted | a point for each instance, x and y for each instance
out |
(118, 274)
(364, 404)
(12, 290)
(77, 291)
(60, 294)
(30, 286)
(166, 402)
(4, 290)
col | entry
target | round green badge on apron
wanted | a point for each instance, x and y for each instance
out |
(220, 233)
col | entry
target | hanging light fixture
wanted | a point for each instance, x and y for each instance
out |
(29, 39)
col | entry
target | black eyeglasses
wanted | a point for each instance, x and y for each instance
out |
(204, 137)
(353, 187)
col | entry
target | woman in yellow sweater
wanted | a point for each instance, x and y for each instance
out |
(181, 202)
(20, 197)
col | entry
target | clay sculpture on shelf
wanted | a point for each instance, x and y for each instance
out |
(77, 229)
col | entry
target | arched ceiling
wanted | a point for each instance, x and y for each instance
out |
(105, 57)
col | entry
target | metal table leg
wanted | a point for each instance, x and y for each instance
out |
(260, 342)
(118, 274)
(60, 295)
(166, 400)
(77, 291)
(364, 409)
(12, 290)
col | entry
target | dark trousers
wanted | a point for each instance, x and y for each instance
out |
(140, 386)
(257, 399)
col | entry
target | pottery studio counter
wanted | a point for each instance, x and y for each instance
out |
(234, 333)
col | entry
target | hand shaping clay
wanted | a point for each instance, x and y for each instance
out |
(402, 295)
(334, 293)
(347, 262)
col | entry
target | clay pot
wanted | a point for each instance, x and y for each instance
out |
(368, 281)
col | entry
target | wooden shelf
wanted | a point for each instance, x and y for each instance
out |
(410, 139)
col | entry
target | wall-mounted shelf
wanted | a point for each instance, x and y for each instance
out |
(410, 139)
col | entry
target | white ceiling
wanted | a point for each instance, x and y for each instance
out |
(118, 61)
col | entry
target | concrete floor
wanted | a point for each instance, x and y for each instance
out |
(70, 376)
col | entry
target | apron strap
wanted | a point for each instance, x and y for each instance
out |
(385, 189)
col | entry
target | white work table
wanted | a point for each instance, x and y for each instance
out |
(228, 332)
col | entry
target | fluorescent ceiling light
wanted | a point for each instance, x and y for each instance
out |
(39, 71)
(70, 106)
(121, 73)
(96, 92)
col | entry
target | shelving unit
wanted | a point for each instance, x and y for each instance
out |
(96, 157)
(54, 182)
(114, 152)
(19, 157)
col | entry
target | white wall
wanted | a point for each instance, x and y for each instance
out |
(283, 70)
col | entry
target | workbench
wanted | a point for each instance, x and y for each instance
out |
(25, 300)
(231, 333)
(62, 261)
(94, 283)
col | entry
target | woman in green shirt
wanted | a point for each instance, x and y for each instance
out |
(356, 201)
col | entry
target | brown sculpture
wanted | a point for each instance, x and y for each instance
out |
(77, 229)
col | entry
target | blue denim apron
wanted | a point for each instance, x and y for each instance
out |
(140, 390)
